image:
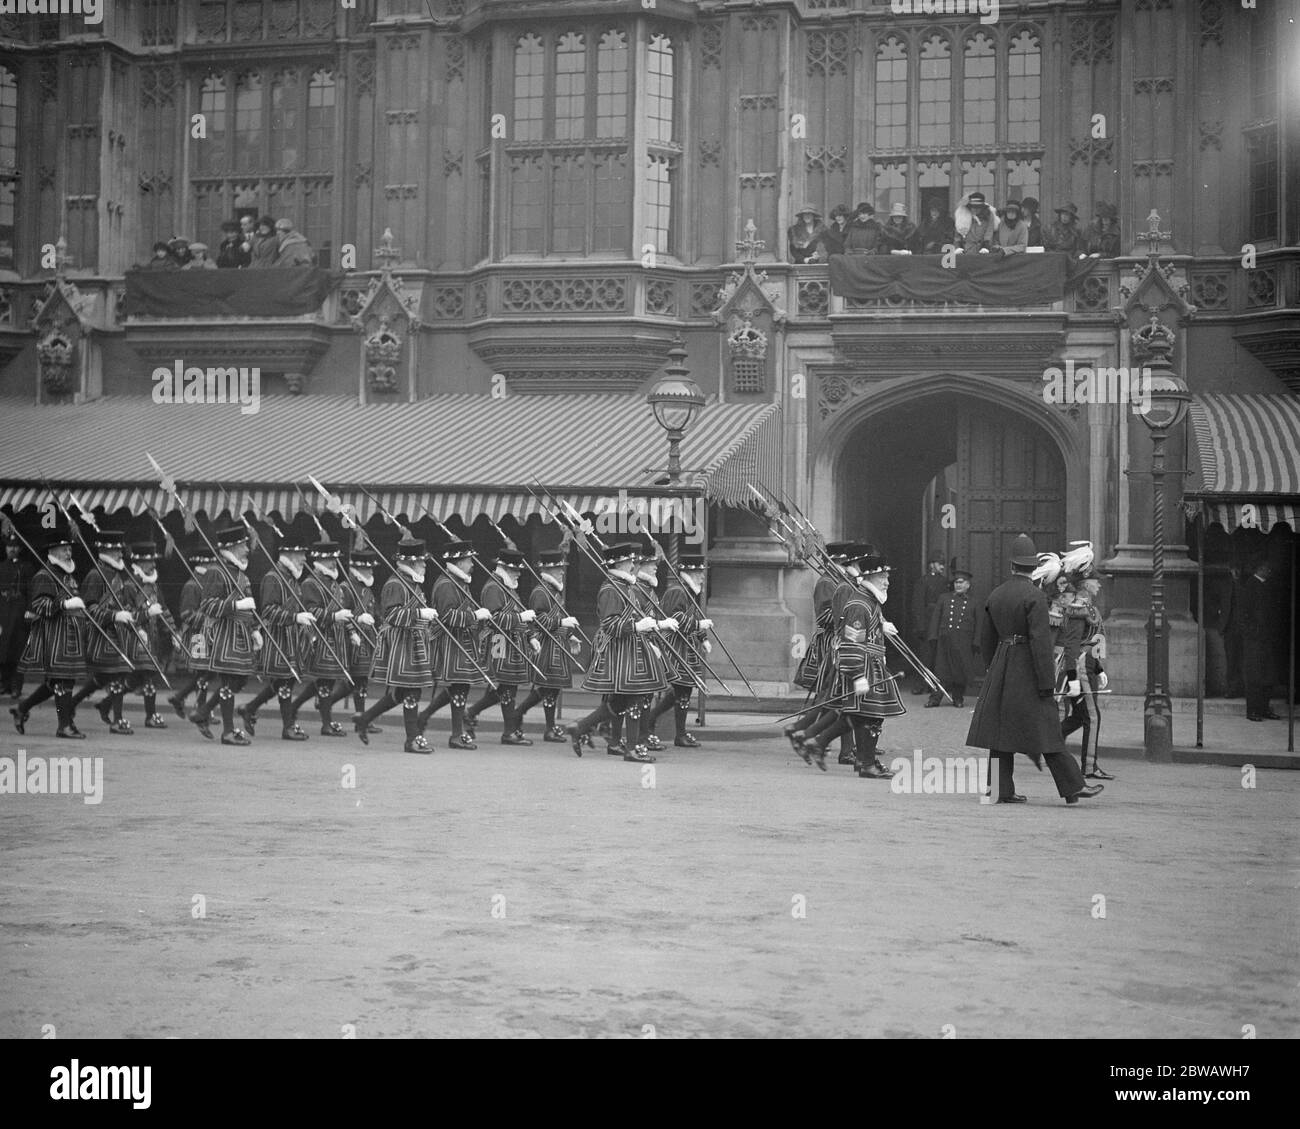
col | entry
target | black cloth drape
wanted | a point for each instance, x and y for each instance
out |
(227, 293)
(992, 280)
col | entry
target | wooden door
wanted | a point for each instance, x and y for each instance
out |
(1010, 481)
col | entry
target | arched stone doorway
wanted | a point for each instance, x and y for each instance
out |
(898, 456)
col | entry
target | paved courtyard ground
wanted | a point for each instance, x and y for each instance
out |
(735, 892)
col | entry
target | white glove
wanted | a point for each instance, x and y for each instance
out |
(123, 617)
(305, 619)
(569, 621)
(1073, 688)
(425, 614)
(669, 624)
(647, 623)
(74, 604)
(705, 624)
(481, 614)
(257, 640)
(354, 639)
(1102, 680)
(536, 645)
(575, 646)
(889, 628)
(706, 647)
(862, 685)
(342, 615)
(155, 609)
(367, 620)
(527, 615)
(245, 604)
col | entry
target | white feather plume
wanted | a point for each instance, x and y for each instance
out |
(1049, 568)
(1079, 558)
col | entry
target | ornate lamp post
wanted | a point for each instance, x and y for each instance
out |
(675, 400)
(1170, 398)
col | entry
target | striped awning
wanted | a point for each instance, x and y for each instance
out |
(1248, 448)
(461, 455)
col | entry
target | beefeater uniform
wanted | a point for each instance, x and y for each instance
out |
(862, 654)
(322, 595)
(158, 626)
(359, 598)
(626, 665)
(545, 601)
(227, 608)
(454, 666)
(1016, 711)
(952, 631)
(15, 577)
(406, 656)
(810, 674)
(280, 604)
(818, 727)
(195, 631)
(55, 651)
(117, 606)
(509, 649)
(691, 642)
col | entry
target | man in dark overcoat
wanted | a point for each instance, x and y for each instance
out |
(952, 634)
(1016, 711)
(15, 575)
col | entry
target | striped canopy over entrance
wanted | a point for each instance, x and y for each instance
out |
(1248, 448)
(461, 455)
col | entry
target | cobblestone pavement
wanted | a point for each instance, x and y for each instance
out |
(733, 891)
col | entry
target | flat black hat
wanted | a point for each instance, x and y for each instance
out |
(511, 558)
(455, 550)
(144, 550)
(324, 550)
(231, 535)
(553, 558)
(363, 558)
(110, 539)
(618, 552)
(411, 549)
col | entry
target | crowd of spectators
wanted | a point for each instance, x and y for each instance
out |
(246, 244)
(975, 226)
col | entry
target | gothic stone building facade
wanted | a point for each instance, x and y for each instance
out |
(568, 184)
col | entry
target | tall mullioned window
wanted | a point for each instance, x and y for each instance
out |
(567, 156)
(269, 145)
(568, 160)
(957, 109)
(8, 165)
(1262, 175)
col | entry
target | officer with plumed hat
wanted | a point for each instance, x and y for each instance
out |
(1016, 711)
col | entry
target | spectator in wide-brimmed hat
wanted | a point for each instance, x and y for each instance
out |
(1064, 234)
(1029, 209)
(199, 258)
(835, 232)
(898, 231)
(935, 232)
(265, 243)
(180, 249)
(864, 235)
(975, 222)
(230, 251)
(162, 258)
(803, 237)
(1103, 232)
(1012, 235)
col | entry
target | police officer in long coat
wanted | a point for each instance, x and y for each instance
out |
(1016, 711)
(952, 636)
(15, 575)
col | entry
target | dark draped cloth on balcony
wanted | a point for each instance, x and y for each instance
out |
(227, 293)
(990, 280)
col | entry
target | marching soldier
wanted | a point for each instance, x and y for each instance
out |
(625, 665)
(810, 666)
(454, 668)
(280, 605)
(1016, 711)
(15, 576)
(547, 601)
(195, 631)
(510, 639)
(158, 628)
(322, 596)
(862, 680)
(229, 612)
(691, 642)
(647, 575)
(405, 656)
(952, 641)
(116, 606)
(359, 598)
(830, 721)
(56, 642)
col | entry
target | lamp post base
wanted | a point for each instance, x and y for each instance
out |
(1158, 729)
